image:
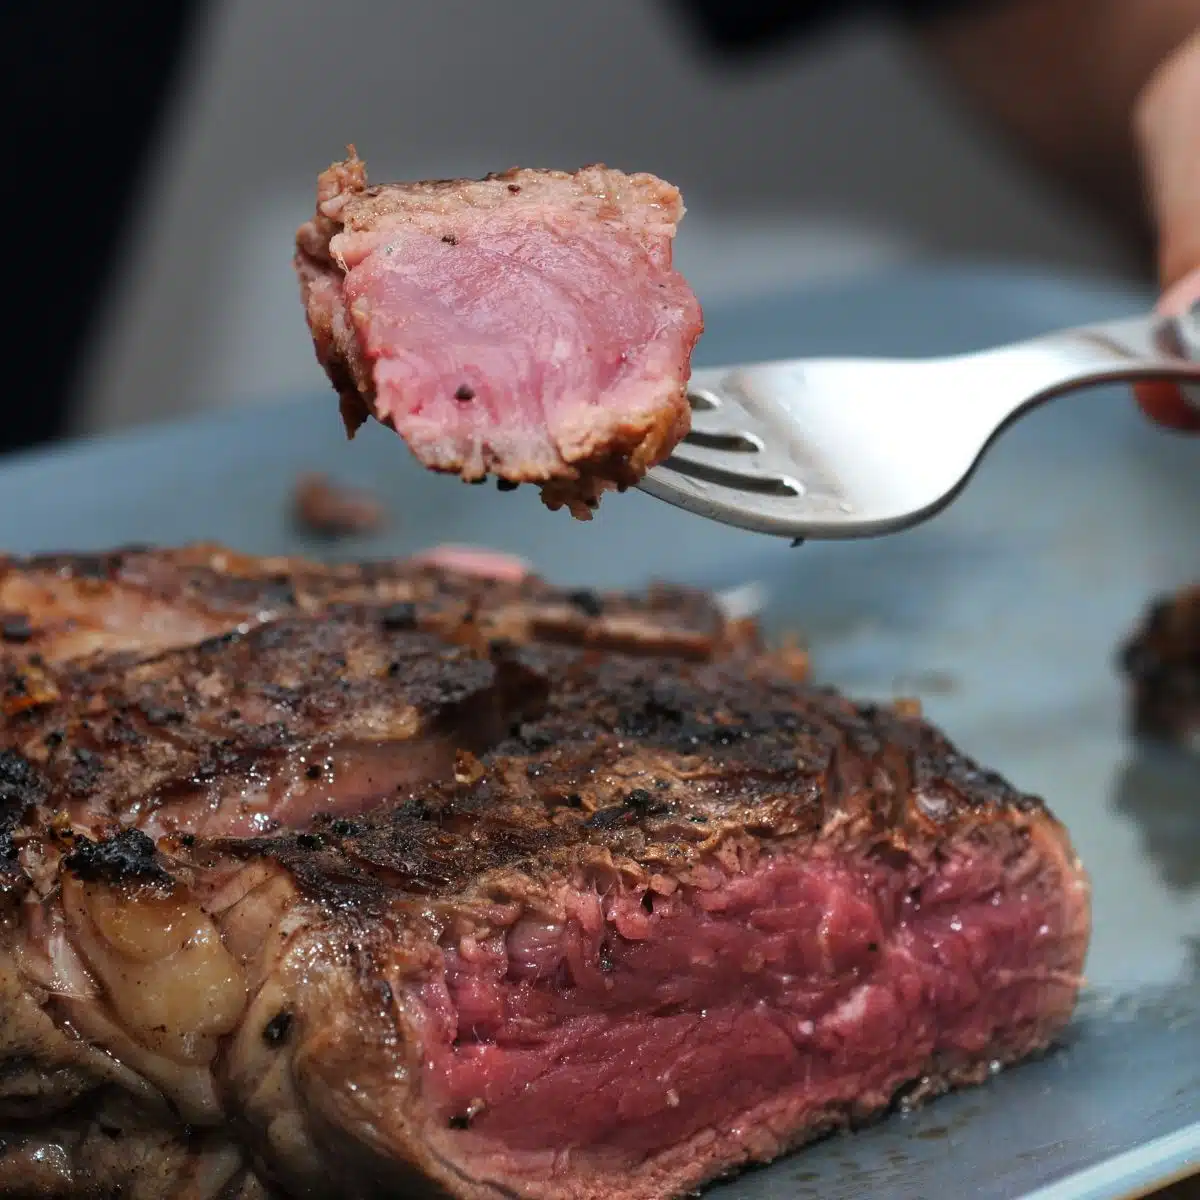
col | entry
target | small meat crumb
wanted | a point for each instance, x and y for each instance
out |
(794, 658)
(467, 768)
(324, 508)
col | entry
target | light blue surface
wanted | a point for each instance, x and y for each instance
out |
(1002, 614)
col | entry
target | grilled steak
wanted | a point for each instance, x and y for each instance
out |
(528, 324)
(386, 880)
(1161, 660)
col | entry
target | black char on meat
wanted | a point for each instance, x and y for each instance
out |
(381, 880)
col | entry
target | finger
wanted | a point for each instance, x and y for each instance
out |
(1183, 296)
(472, 560)
(1166, 129)
(1169, 405)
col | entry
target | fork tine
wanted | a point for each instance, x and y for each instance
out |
(760, 512)
(720, 438)
(704, 393)
(733, 469)
(719, 422)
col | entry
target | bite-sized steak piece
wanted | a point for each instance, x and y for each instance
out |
(553, 895)
(1161, 661)
(527, 325)
(326, 509)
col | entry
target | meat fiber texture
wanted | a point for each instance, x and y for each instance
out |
(383, 880)
(526, 325)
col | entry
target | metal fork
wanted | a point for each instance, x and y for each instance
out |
(846, 448)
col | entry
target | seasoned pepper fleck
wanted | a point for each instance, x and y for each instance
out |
(587, 602)
(15, 627)
(127, 857)
(278, 1028)
(398, 617)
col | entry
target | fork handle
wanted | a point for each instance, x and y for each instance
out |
(1129, 350)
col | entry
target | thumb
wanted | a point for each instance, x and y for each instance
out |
(1167, 126)
(1176, 408)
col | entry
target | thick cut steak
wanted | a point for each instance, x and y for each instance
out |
(527, 325)
(383, 880)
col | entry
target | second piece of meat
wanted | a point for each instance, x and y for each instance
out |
(527, 325)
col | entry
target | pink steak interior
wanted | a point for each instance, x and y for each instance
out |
(807, 989)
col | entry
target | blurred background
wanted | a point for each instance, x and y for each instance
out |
(823, 159)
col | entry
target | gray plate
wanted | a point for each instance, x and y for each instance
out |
(1002, 615)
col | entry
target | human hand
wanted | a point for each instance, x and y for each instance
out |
(1167, 127)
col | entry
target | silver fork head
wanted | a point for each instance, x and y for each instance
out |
(858, 448)
(735, 468)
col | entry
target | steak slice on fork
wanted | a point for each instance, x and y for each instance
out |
(527, 325)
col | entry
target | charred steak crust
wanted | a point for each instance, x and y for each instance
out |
(139, 601)
(622, 764)
(22, 788)
(125, 857)
(576, 334)
(351, 897)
